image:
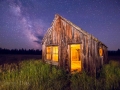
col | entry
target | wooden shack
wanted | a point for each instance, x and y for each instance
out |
(68, 46)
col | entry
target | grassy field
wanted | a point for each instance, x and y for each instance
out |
(36, 75)
(8, 58)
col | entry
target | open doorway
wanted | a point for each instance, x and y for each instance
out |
(75, 57)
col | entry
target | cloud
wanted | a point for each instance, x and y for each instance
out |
(40, 37)
(39, 42)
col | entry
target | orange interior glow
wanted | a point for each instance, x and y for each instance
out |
(75, 57)
(100, 52)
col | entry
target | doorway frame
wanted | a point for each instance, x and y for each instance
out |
(69, 55)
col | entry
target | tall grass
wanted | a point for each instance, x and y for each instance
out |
(109, 79)
(82, 82)
(110, 76)
(32, 75)
(36, 75)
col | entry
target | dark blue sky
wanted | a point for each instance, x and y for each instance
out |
(23, 23)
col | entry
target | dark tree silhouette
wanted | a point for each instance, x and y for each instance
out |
(114, 53)
(39, 52)
(21, 51)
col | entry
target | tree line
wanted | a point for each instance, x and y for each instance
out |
(114, 53)
(39, 52)
(21, 51)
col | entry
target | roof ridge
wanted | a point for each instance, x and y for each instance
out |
(79, 28)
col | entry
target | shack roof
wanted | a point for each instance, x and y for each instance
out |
(75, 26)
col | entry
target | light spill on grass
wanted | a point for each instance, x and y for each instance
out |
(36, 75)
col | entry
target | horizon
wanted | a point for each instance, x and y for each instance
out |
(39, 49)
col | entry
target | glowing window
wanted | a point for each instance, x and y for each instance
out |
(101, 52)
(48, 53)
(55, 53)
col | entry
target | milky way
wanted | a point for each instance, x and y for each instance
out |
(18, 28)
(23, 23)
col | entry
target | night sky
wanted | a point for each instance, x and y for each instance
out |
(23, 23)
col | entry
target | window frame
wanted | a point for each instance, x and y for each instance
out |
(48, 53)
(52, 53)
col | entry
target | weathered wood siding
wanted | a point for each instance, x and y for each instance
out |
(63, 33)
